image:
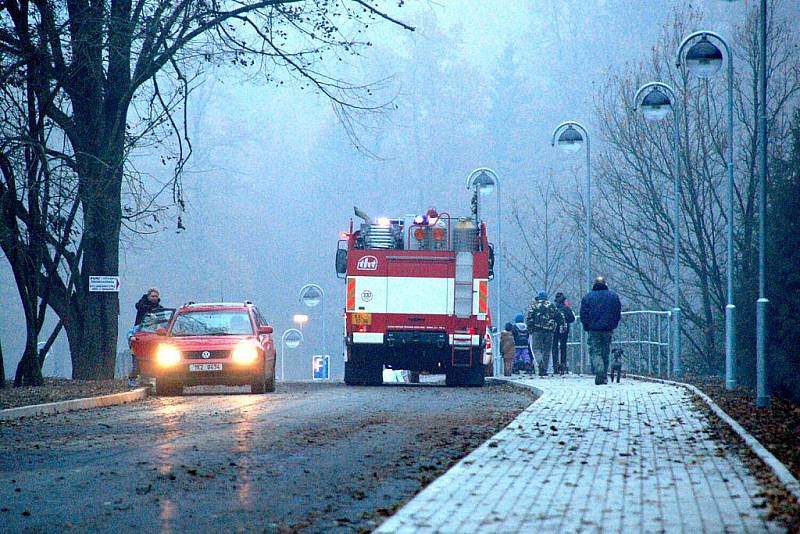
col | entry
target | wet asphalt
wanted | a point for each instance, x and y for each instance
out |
(308, 458)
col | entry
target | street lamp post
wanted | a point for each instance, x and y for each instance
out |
(704, 59)
(485, 180)
(290, 339)
(762, 397)
(312, 295)
(570, 136)
(655, 105)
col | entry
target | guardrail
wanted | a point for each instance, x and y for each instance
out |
(644, 335)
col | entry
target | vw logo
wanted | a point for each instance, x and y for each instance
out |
(205, 354)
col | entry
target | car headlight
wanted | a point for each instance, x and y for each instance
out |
(245, 353)
(167, 355)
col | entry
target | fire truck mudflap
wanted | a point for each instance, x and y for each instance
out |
(416, 298)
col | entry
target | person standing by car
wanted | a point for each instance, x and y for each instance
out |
(149, 303)
(600, 314)
(562, 334)
(542, 320)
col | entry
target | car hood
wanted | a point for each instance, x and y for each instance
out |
(206, 342)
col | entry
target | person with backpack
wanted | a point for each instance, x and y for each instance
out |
(600, 314)
(561, 334)
(522, 351)
(542, 320)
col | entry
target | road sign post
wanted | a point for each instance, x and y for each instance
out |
(320, 367)
(104, 284)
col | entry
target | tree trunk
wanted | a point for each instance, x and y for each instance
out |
(95, 354)
(29, 372)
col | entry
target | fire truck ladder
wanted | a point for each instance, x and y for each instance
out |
(462, 342)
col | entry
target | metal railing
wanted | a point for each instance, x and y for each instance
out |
(645, 337)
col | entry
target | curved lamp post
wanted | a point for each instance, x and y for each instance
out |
(659, 99)
(570, 136)
(704, 59)
(486, 181)
(290, 339)
(312, 295)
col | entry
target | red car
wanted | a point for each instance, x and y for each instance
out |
(211, 343)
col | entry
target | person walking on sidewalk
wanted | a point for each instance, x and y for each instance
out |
(562, 334)
(507, 349)
(542, 320)
(522, 350)
(600, 314)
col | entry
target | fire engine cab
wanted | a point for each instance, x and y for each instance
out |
(416, 297)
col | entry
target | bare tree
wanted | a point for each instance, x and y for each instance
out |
(37, 205)
(633, 221)
(542, 255)
(119, 75)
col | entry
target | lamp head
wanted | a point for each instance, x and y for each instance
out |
(484, 182)
(570, 140)
(704, 58)
(656, 105)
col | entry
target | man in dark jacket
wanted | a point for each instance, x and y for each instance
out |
(149, 303)
(562, 334)
(600, 314)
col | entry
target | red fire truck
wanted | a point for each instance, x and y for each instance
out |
(417, 297)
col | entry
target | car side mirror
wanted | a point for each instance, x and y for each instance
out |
(161, 331)
(341, 261)
(266, 329)
(491, 261)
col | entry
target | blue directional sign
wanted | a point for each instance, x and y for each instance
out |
(320, 365)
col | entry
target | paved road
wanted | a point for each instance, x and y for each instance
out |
(311, 457)
(629, 457)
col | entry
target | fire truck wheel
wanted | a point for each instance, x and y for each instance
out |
(470, 376)
(353, 375)
(363, 374)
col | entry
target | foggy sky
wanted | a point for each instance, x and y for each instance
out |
(274, 177)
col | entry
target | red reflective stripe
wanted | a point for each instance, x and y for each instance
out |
(483, 296)
(351, 293)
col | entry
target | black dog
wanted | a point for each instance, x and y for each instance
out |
(616, 364)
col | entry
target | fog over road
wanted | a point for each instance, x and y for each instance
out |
(311, 457)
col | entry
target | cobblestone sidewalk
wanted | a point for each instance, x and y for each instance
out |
(629, 457)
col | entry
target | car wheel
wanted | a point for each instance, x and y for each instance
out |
(258, 385)
(168, 388)
(269, 385)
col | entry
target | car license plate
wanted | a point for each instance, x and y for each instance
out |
(205, 367)
(361, 318)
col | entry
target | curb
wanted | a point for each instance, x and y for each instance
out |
(782, 473)
(503, 380)
(73, 404)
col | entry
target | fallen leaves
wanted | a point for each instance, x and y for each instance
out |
(58, 389)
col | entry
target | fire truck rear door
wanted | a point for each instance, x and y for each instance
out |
(420, 285)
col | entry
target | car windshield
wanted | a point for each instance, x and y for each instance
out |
(213, 323)
(153, 321)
